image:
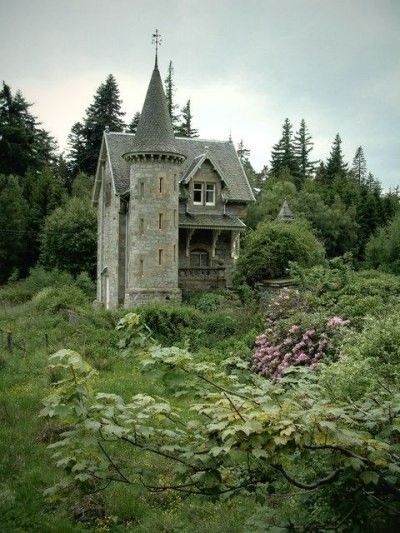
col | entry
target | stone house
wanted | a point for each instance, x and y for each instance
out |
(170, 210)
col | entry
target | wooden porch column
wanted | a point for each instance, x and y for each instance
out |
(235, 241)
(215, 237)
(189, 236)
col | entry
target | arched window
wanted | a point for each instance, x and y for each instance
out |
(199, 258)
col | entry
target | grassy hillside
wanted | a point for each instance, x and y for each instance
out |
(55, 318)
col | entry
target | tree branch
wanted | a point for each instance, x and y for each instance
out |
(308, 486)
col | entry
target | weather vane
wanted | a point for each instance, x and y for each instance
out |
(157, 41)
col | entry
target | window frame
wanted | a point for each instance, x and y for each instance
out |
(204, 187)
(213, 190)
(200, 188)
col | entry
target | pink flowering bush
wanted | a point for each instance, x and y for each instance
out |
(297, 347)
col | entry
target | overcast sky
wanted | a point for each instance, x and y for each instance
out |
(245, 64)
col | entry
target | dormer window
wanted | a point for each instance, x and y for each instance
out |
(210, 193)
(203, 193)
(198, 193)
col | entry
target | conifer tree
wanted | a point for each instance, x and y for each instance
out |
(85, 140)
(283, 153)
(23, 144)
(185, 127)
(335, 166)
(302, 148)
(243, 152)
(13, 226)
(170, 95)
(134, 122)
(255, 179)
(359, 167)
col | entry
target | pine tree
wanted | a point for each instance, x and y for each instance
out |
(302, 148)
(85, 138)
(170, 95)
(13, 226)
(134, 122)
(283, 155)
(185, 127)
(23, 144)
(243, 152)
(359, 167)
(335, 166)
(255, 178)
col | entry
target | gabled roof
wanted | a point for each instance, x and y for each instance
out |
(223, 154)
(196, 164)
(154, 132)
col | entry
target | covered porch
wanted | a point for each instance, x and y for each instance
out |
(208, 250)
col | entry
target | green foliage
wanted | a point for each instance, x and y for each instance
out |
(20, 291)
(169, 322)
(23, 144)
(86, 136)
(185, 128)
(269, 250)
(240, 436)
(53, 299)
(137, 333)
(68, 239)
(13, 226)
(383, 248)
(210, 301)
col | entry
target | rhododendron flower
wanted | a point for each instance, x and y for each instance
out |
(337, 322)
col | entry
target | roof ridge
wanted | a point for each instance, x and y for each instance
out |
(197, 139)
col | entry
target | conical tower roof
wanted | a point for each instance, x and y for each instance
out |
(285, 213)
(154, 133)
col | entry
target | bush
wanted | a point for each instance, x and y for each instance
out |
(54, 299)
(168, 322)
(68, 239)
(269, 250)
(383, 248)
(21, 291)
(209, 302)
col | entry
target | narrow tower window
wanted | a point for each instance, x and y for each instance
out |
(160, 221)
(141, 186)
(141, 226)
(161, 185)
(174, 182)
(174, 253)
(141, 267)
(160, 256)
(174, 218)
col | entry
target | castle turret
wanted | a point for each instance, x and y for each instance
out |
(152, 236)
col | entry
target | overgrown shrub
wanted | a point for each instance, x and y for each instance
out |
(383, 248)
(54, 299)
(167, 322)
(269, 250)
(68, 239)
(275, 354)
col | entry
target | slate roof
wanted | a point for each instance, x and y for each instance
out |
(285, 212)
(223, 153)
(210, 221)
(154, 132)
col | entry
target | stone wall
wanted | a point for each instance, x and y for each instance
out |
(107, 241)
(152, 265)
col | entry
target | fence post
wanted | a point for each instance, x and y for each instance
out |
(9, 341)
(46, 342)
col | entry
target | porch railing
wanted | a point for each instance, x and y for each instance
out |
(210, 273)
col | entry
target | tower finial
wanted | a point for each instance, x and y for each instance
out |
(156, 39)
